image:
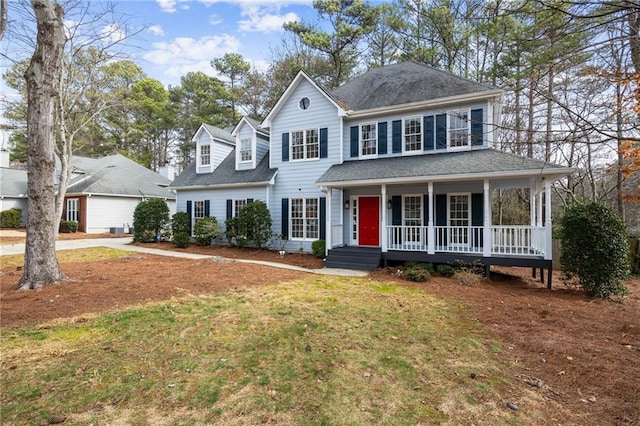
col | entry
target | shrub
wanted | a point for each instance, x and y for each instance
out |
(11, 218)
(181, 223)
(206, 230)
(232, 232)
(181, 239)
(318, 248)
(446, 270)
(254, 224)
(150, 219)
(418, 272)
(594, 249)
(68, 226)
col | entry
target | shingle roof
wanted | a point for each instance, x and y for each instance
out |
(404, 83)
(218, 133)
(116, 175)
(480, 162)
(13, 183)
(256, 125)
(225, 174)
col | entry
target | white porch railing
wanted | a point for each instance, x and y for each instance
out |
(336, 236)
(504, 240)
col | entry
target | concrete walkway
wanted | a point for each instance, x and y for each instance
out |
(124, 244)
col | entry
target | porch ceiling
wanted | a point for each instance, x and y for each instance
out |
(450, 166)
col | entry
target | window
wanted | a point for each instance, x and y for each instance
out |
(245, 150)
(304, 103)
(368, 139)
(459, 214)
(205, 155)
(412, 212)
(237, 206)
(73, 209)
(305, 144)
(198, 210)
(305, 224)
(458, 128)
(413, 134)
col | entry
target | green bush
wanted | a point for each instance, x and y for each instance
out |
(232, 232)
(181, 239)
(181, 223)
(446, 270)
(595, 249)
(318, 248)
(150, 220)
(11, 218)
(418, 272)
(206, 230)
(254, 224)
(68, 226)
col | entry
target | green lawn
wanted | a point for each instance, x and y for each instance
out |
(323, 350)
(69, 256)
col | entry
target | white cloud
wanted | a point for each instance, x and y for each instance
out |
(187, 52)
(113, 33)
(215, 19)
(260, 20)
(168, 6)
(156, 30)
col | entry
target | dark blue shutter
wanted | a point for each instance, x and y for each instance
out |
(189, 213)
(285, 147)
(323, 218)
(476, 127)
(477, 217)
(355, 141)
(229, 208)
(324, 142)
(249, 200)
(284, 215)
(382, 138)
(425, 206)
(396, 210)
(441, 131)
(441, 209)
(207, 206)
(428, 132)
(396, 136)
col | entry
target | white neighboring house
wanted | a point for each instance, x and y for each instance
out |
(103, 193)
(13, 187)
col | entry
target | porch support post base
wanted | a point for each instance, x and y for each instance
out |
(431, 231)
(549, 277)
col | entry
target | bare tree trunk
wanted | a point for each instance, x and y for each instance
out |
(3, 18)
(40, 263)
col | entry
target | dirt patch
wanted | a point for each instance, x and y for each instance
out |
(572, 350)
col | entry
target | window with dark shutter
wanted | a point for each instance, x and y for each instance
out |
(396, 136)
(324, 142)
(354, 141)
(382, 138)
(429, 133)
(285, 147)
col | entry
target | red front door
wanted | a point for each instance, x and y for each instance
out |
(369, 221)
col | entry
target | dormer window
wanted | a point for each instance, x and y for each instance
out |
(205, 155)
(413, 134)
(459, 129)
(245, 150)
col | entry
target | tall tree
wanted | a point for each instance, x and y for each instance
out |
(40, 263)
(349, 22)
(234, 67)
(3, 18)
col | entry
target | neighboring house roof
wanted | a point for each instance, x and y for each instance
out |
(405, 83)
(13, 183)
(116, 175)
(216, 133)
(225, 174)
(444, 166)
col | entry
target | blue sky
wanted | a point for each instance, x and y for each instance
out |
(185, 35)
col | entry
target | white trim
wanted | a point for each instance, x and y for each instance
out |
(360, 147)
(304, 218)
(304, 145)
(404, 142)
(380, 228)
(450, 114)
(469, 219)
(266, 123)
(221, 186)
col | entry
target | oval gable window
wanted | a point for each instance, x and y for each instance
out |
(304, 103)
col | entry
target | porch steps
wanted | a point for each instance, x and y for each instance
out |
(360, 258)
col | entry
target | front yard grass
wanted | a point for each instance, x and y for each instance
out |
(323, 350)
(69, 256)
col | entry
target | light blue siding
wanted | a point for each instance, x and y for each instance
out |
(219, 151)
(487, 114)
(296, 179)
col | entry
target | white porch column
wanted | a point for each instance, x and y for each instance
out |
(328, 237)
(487, 240)
(431, 231)
(383, 218)
(539, 205)
(547, 222)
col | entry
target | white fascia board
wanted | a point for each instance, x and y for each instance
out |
(222, 186)
(195, 135)
(553, 174)
(451, 100)
(99, 194)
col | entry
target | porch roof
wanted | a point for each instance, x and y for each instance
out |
(450, 166)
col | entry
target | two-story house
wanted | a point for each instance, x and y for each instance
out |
(397, 164)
